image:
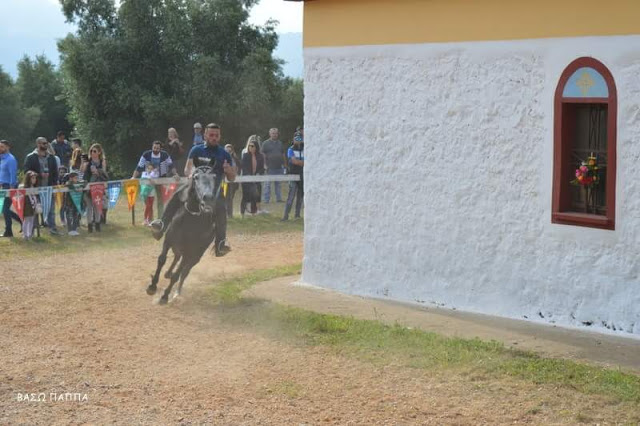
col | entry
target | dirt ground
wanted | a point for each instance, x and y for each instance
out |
(90, 330)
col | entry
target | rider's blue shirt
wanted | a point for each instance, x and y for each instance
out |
(212, 156)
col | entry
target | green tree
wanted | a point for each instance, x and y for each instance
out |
(134, 71)
(16, 122)
(40, 86)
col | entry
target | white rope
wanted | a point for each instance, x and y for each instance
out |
(169, 181)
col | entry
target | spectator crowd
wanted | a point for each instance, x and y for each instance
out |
(60, 162)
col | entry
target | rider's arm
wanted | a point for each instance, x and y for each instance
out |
(229, 171)
(188, 167)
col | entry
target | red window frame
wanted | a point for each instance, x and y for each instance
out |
(562, 172)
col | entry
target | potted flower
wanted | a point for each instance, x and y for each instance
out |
(587, 176)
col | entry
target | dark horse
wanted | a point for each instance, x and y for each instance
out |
(191, 231)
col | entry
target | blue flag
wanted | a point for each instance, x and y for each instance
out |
(113, 190)
(46, 196)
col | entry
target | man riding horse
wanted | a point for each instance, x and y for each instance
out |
(210, 154)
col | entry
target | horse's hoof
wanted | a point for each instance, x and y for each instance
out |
(168, 275)
(163, 300)
(151, 290)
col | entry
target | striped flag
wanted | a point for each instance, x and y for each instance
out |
(46, 197)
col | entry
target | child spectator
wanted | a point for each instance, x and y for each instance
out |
(62, 173)
(148, 192)
(71, 212)
(32, 206)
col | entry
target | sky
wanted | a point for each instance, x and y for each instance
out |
(32, 27)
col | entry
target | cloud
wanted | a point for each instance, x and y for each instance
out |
(289, 14)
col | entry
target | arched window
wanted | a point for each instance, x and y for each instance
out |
(585, 115)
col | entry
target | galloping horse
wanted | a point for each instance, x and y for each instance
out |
(190, 232)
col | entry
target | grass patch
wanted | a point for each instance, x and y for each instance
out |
(120, 233)
(385, 344)
(264, 224)
(229, 292)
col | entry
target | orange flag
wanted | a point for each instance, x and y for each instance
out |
(131, 187)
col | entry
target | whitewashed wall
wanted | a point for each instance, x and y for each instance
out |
(429, 175)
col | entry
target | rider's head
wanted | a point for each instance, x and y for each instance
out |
(157, 147)
(212, 134)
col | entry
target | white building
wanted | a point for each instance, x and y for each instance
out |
(442, 137)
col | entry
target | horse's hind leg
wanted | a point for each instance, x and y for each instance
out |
(152, 288)
(183, 276)
(176, 259)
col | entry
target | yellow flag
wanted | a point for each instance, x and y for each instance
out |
(225, 185)
(131, 187)
(59, 196)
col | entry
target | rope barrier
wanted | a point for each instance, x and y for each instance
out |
(166, 181)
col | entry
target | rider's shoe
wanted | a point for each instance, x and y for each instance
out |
(222, 249)
(157, 229)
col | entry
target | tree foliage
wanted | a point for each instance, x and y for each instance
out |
(40, 87)
(32, 106)
(131, 72)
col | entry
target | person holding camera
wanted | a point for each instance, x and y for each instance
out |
(45, 166)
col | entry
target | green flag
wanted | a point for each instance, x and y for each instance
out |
(75, 192)
(2, 195)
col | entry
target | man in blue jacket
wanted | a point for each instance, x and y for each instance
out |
(8, 180)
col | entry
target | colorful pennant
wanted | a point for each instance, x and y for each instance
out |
(59, 196)
(131, 187)
(46, 197)
(114, 193)
(97, 196)
(17, 196)
(75, 192)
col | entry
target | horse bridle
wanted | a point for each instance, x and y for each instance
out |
(199, 170)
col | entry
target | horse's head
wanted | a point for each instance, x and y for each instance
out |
(203, 184)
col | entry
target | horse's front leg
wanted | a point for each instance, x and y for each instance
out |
(152, 288)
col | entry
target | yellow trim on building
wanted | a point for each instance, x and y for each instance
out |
(362, 22)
